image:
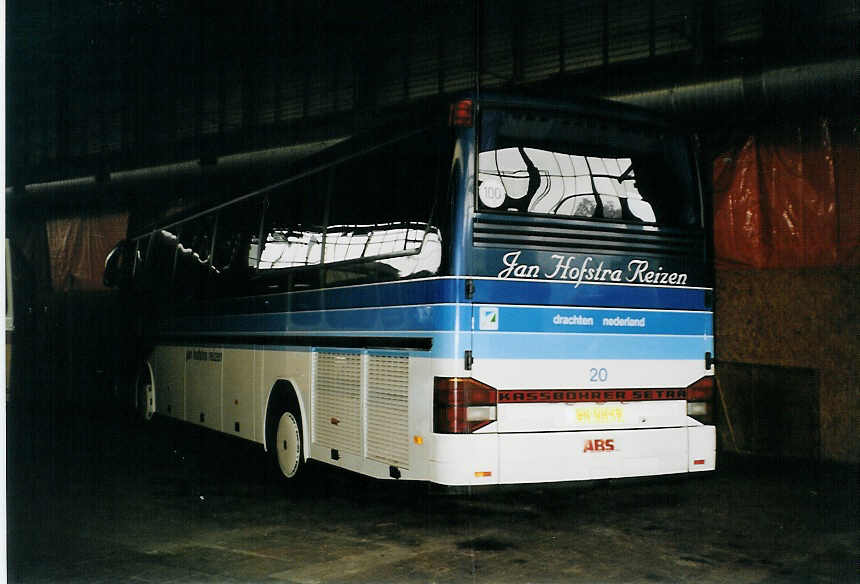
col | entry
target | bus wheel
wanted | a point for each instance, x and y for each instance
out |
(144, 393)
(288, 445)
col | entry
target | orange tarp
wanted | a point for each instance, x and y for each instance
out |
(788, 198)
(78, 247)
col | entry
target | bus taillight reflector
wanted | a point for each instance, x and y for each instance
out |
(700, 400)
(462, 405)
(461, 114)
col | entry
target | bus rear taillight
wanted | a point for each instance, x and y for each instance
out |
(462, 405)
(462, 114)
(700, 400)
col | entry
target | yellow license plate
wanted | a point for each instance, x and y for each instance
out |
(599, 414)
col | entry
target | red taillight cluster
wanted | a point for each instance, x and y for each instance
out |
(462, 114)
(700, 400)
(462, 405)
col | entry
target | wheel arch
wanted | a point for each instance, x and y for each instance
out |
(284, 396)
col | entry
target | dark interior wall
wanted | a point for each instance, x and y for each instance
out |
(787, 341)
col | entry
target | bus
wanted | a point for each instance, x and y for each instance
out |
(504, 290)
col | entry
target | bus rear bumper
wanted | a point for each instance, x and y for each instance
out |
(483, 459)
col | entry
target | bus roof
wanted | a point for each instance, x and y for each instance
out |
(159, 211)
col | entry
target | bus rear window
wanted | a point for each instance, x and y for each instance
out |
(585, 169)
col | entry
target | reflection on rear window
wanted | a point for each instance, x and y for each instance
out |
(577, 166)
(557, 183)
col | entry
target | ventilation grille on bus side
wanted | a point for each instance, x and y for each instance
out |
(575, 235)
(337, 402)
(387, 410)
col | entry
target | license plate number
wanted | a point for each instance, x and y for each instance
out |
(599, 414)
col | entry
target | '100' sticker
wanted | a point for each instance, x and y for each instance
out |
(492, 193)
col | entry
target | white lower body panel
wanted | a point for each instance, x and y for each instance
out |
(481, 459)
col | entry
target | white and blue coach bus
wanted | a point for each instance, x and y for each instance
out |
(517, 292)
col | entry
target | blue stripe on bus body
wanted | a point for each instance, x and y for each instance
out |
(454, 318)
(569, 320)
(452, 290)
(438, 317)
(404, 292)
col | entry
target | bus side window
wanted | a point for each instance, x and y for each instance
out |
(119, 264)
(159, 262)
(234, 255)
(380, 212)
(293, 234)
(192, 257)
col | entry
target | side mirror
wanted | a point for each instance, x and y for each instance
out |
(117, 265)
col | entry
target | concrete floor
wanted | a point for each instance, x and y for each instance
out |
(96, 500)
